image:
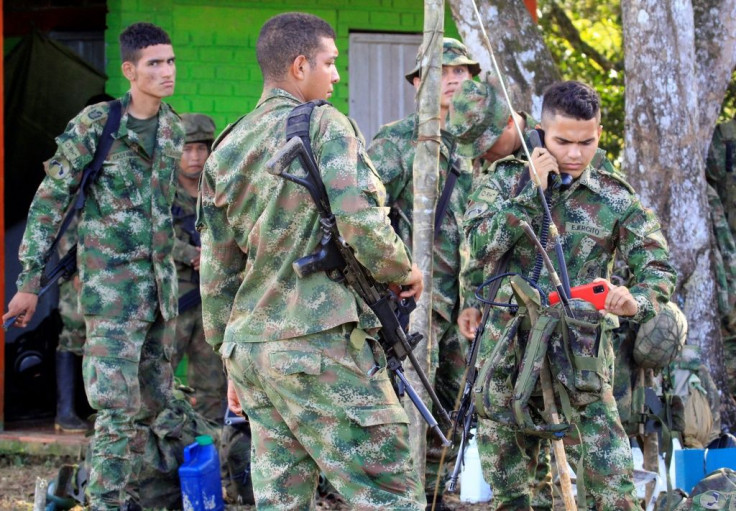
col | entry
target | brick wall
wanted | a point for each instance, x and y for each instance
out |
(214, 42)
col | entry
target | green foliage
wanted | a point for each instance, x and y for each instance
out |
(728, 110)
(590, 49)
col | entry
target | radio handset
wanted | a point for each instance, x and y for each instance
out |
(554, 180)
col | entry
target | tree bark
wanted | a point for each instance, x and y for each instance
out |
(671, 109)
(425, 182)
(520, 50)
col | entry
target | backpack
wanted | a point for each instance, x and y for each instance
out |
(717, 490)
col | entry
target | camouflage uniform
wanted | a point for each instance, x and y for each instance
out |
(392, 151)
(129, 290)
(72, 335)
(297, 349)
(597, 216)
(719, 171)
(204, 371)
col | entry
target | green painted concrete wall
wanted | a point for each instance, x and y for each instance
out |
(214, 42)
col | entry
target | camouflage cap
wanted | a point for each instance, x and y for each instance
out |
(198, 128)
(454, 53)
(477, 117)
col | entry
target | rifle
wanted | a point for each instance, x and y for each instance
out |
(65, 268)
(466, 408)
(335, 257)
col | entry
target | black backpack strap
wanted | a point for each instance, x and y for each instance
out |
(452, 175)
(91, 171)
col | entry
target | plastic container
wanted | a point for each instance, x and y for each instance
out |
(201, 485)
(473, 488)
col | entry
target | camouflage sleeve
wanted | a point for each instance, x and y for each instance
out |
(493, 219)
(221, 260)
(726, 264)
(644, 248)
(75, 149)
(70, 237)
(386, 158)
(357, 198)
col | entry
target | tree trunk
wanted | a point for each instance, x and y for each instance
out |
(425, 179)
(671, 108)
(521, 52)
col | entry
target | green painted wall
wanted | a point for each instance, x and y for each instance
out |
(215, 40)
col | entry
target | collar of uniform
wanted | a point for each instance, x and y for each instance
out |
(590, 179)
(275, 93)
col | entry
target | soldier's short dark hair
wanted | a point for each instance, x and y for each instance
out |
(571, 99)
(139, 36)
(286, 36)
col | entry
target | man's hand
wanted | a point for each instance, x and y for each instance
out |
(414, 285)
(468, 322)
(23, 305)
(195, 261)
(619, 300)
(544, 163)
(233, 402)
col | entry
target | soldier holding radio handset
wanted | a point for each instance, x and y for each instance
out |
(597, 215)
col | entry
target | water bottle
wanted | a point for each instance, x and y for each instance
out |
(201, 485)
(473, 488)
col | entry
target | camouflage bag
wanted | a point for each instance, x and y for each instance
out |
(717, 490)
(660, 339)
(509, 378)
(175, 427)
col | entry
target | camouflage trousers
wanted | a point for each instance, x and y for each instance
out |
(205, 373)
(448, 368)
(128, 379)
(513, 466)
(73, 333)
(313, 407)
(729, 352)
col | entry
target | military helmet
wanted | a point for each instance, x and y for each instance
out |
(660, 339)
(477, 117)
(454, 53)
(198, 128)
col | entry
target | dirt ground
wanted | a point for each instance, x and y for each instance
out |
(18, 475)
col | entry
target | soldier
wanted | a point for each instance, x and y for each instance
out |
(128, 279)
(71, 345)
(597, 215)
(298, 352)
(205, 373)
(719, 172)
(393, 150)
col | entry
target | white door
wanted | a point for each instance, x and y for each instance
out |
(379, 93)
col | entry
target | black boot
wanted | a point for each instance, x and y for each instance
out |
(66, 418)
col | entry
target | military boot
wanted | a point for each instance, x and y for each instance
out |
(67, 420)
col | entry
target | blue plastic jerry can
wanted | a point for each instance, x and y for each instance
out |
(201, 485)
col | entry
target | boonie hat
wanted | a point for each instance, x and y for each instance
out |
(198, 128)
(454, 53)
(477, 117)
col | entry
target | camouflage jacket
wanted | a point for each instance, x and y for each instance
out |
(125, 229)
(597, 216)
(184, 212)
(725, 255)
(392, 151)
(255, 225)
(720, 168)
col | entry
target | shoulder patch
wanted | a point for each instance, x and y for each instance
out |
(476, 210)
(94, 113)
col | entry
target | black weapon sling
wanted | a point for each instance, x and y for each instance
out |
(91, 171)
(453, 172)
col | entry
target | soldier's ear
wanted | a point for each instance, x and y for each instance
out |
(128, 70)
(299, 67)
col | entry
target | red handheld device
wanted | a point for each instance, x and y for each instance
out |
(594, 292)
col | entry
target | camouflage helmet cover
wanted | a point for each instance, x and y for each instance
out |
(454, 53)
(477, 117)
(660, 339)
(198, 128)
